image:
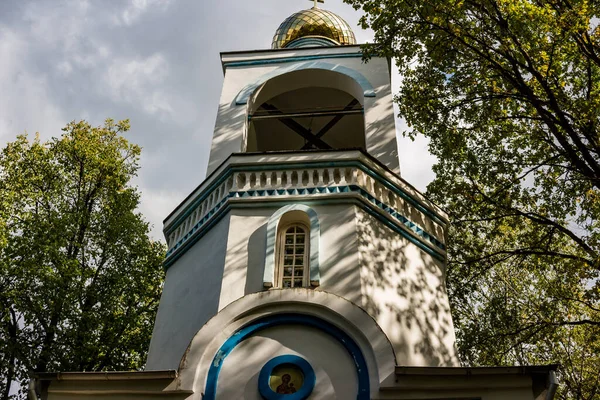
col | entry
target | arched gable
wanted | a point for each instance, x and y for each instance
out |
(260, 324)
(356, 323)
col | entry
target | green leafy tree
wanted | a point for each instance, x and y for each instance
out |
(508, 93)
(80, 279)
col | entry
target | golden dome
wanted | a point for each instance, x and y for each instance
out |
(324, 26)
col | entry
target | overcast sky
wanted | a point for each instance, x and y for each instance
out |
(155, 62)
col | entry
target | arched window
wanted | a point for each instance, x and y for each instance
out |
(293, 256)
(293, 228)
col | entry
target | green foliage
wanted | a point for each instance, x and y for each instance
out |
(508, 92)
(80, 279)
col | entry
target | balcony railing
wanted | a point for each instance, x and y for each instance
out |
(324, 175)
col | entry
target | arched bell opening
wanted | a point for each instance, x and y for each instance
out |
(306, 110)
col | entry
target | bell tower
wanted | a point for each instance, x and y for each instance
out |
(303, 244)
(304, 266)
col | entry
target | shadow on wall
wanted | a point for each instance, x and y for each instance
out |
(256, 260)
(228, 136)
(404, 290)
(245, 260)
(235, 382)
(252, 384)
(339, 266)
(381, 144)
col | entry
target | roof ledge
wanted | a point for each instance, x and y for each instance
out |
(106, 376)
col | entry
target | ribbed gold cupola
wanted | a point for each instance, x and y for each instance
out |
(313, 27)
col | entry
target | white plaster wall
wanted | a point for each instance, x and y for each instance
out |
(246, 246)
(333, 366)
(104, 389)
(339, 251)
(403, 288)
(239, 381)
(245, 259)
(231, 118)
(228, 263)
(379, 115)
(360, 260)
(190, 298)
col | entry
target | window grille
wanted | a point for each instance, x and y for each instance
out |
(293, 257)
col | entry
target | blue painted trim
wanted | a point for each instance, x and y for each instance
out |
(331, 164)
(246, 92)
(414, 202)
(242, 334)
(418, 230)
(197, 232)
(405, 221)
(315, 234)
(429, 250)
(176, 252)
(196, 202)
(310, 379)
(279, 60)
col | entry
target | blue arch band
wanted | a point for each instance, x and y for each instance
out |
(368, 90)
(289, 319)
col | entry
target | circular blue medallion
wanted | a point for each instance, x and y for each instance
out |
(286, 377)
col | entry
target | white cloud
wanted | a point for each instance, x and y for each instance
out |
(25, 103)
(415, 160)
(58, 24)
(137, 82)
(93, 57)
(155, 206)
(65, 31)
(137, 8)
(64, 67)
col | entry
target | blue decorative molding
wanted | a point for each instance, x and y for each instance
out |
(416, 229)
(279, 60)
(302, 393)
(247, 331)
(315, 233)
(423, 239)
(415, 203)
(428, 242)
(332, 164)
(193, 236)
(368, 91)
